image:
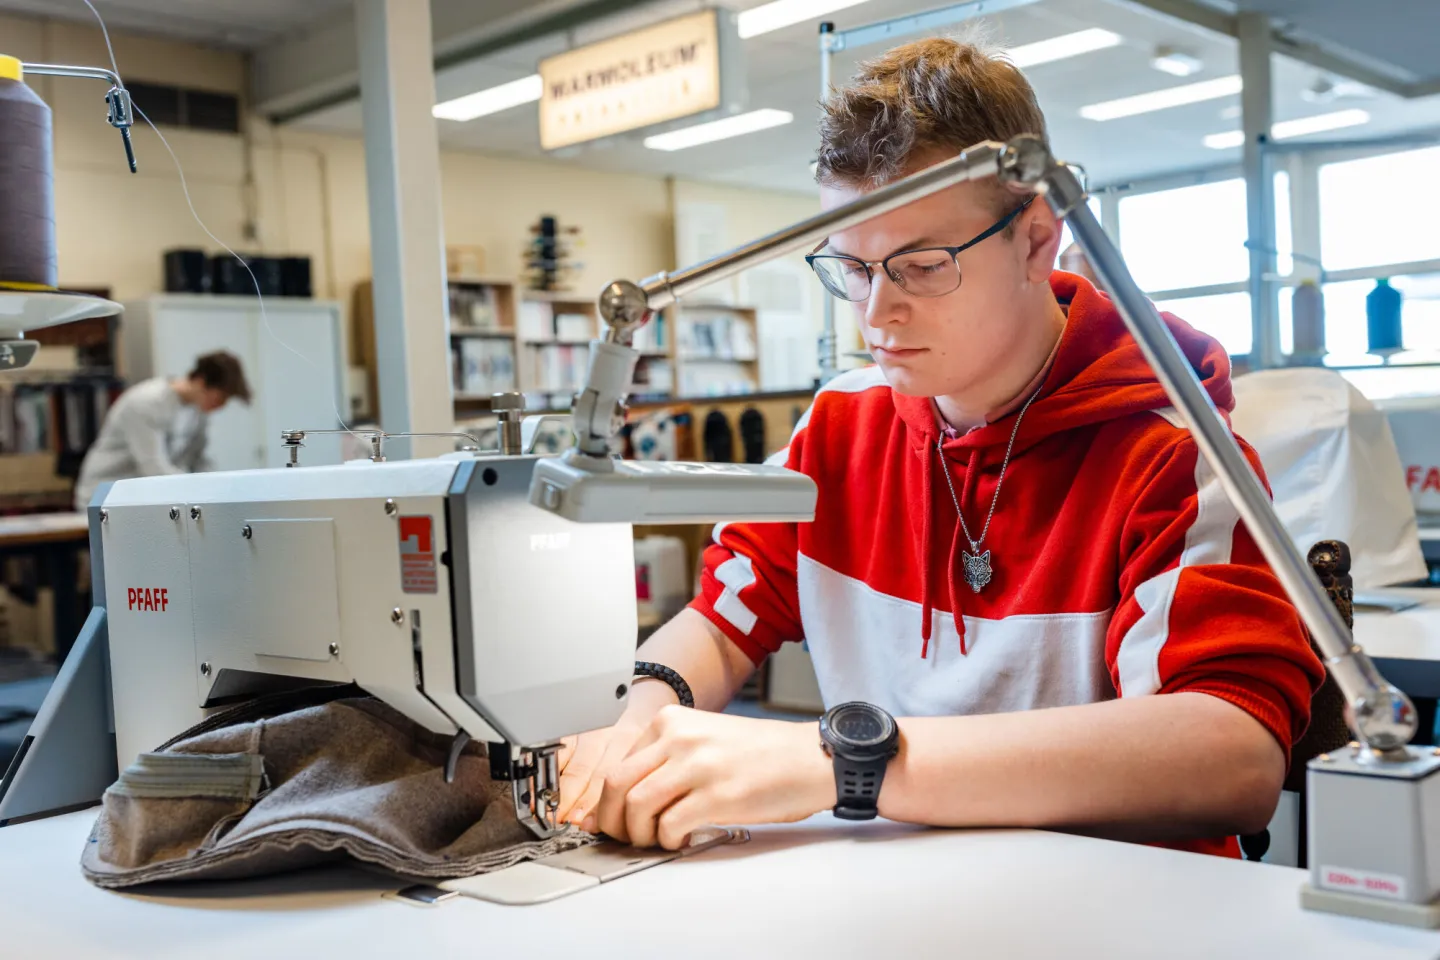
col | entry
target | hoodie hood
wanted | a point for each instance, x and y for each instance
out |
(1099, 374)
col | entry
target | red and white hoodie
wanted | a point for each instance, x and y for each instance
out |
(1120, 567)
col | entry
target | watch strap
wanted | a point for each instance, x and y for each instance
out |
(857, 786)
(658, 671)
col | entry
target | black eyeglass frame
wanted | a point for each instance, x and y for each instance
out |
(884, 265)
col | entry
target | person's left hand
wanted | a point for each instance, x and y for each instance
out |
(693, 769)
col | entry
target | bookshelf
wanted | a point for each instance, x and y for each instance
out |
(482, 342)
(715, 350)
(51, 411)
(553, 337)
(483, 354)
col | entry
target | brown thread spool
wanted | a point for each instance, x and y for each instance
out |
(27, 192)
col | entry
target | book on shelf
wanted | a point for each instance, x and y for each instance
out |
(483, 367)
(717, 336)
(472, 306)
(62, 418)
(716, 380)
(654, 375)
(652, 337)
(535, 320)
(574, 327)
(560, 368)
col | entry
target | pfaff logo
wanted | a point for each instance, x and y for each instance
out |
(153, 599)
(549, 541)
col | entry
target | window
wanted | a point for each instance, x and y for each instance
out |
(1379, 210)
(1284, 247)
(1195, 236)
(1066, 237)
(1225, 316)
(1188, 237)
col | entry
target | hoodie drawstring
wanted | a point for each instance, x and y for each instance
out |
(927, 520)
(927, 504)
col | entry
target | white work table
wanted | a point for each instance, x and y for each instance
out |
(820, 889)
(1405, 645)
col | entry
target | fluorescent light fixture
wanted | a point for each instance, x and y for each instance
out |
(1060, 48)
(492, 100)
(1163, 99)
(735, 126)
(1177, 63)
(784, 13)
(1286, 129)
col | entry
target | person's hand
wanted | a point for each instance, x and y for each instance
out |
(693, 769)
(585, 760)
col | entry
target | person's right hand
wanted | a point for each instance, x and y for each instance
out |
(585, 760)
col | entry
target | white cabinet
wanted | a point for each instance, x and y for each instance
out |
(293, 364)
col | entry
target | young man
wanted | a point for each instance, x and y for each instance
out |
(158, 426)
(1017, 552)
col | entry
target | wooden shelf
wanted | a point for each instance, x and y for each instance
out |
(464, 280)
(558, 296)
(486, 334)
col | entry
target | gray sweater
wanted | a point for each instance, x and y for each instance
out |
(148, 432)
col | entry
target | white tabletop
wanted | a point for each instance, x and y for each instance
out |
(819, 889)
(1412, 634)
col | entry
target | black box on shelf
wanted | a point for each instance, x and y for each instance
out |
(187, 271)
(295, 277)
(228, 275)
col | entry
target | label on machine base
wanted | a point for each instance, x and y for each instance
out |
(1363, 881)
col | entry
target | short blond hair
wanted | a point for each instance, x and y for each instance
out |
(934, 94)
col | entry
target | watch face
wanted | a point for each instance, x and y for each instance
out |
(860, 724)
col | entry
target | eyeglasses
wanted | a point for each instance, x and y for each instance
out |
(928, 272)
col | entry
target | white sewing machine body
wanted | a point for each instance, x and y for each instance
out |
(421, 581)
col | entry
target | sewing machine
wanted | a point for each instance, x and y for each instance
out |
(434, 585)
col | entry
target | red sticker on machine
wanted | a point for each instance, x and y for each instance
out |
(418, 572)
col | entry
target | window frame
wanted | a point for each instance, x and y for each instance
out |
(1302, 163)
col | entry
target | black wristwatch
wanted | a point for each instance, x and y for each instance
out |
(861, 738)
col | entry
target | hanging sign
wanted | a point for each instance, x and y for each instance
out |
(664, 72)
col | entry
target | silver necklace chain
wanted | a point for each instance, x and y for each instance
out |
(945, 468)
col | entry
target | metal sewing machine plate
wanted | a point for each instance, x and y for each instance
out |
(540, 881)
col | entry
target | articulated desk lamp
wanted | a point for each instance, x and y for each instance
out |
(1374, 836)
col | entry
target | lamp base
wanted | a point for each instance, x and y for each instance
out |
(1424, 915)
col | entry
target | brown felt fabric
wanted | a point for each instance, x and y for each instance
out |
(347, 778)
